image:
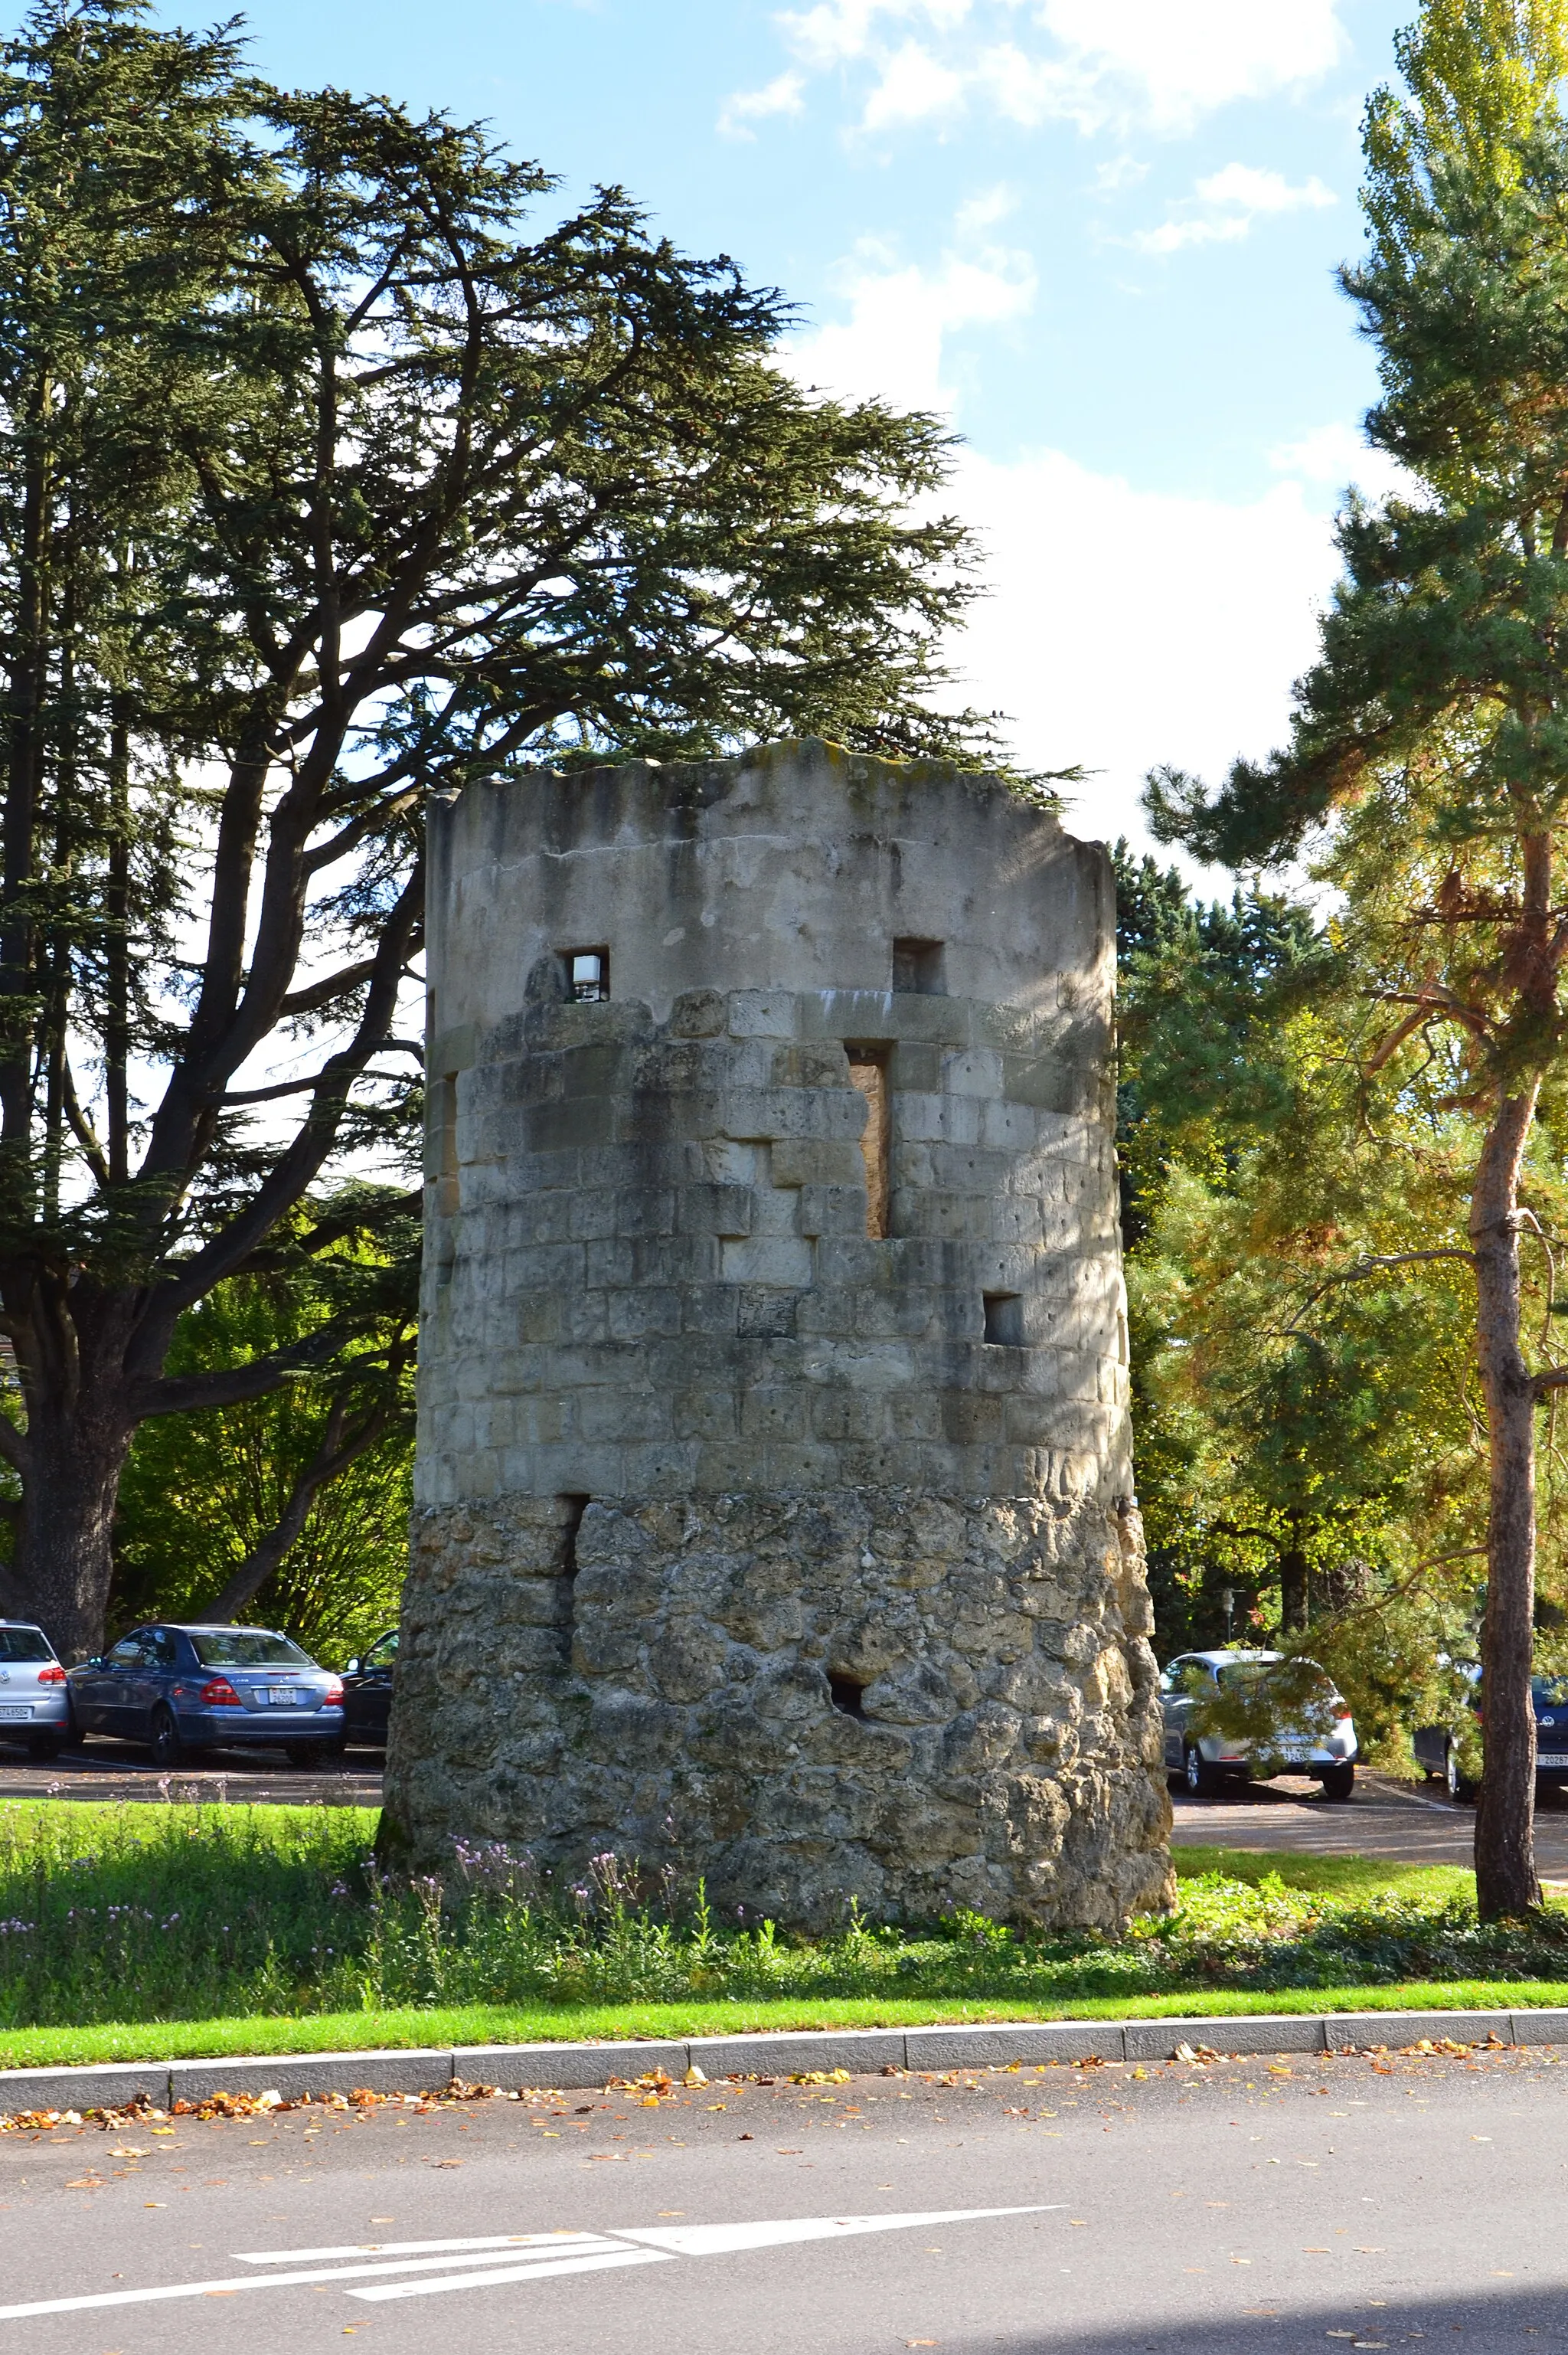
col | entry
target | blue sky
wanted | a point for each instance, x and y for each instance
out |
(1100, 234)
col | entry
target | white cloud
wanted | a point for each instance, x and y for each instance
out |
(1103, 63)
(914, 87)
(1128, 627)
(1125, 627)
(890, 347)
(1229, 202)
(1331, 457)
(782, 95)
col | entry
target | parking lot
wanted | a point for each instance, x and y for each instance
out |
(1403, 1823)
(120, 1770)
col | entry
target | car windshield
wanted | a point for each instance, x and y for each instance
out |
(1552, 1690)
(24, 1644)
(248, 1648)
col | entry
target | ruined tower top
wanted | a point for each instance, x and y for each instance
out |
(788, 1113)
(775, 1504)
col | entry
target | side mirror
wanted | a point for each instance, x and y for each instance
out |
(353, 1668)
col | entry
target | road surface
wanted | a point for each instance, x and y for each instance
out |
(1208, 2208)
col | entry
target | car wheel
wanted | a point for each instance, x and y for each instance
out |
(1338, 1782)
(44, 1746)
(1458, 1784)
(167, 1748)
(1200, 1778)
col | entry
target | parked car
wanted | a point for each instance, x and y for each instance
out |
(1450, 1750)
(1314, 1735)
(35, 1696)
(367, 1692)
(183, 1688)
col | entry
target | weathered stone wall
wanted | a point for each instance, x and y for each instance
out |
(802, 1553)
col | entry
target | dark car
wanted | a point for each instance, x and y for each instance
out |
(1449, 1750)
(368, 1693)
(181, 1689)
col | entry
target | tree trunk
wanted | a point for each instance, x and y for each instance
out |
(1506, 1881)
(64, 1561)
(1292, 1589)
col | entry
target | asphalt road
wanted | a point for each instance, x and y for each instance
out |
(1201, 2209)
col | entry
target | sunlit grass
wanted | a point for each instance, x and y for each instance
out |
(161, 1930)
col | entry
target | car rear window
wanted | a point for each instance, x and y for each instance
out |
(1552, 1690)
(248, 1648)
(24, 1644)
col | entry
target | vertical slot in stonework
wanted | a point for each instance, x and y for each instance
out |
(868, 1073)
(573, 1508)
(572, 1511)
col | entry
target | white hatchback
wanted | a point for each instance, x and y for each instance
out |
(1254, 1713)
(34, 1698)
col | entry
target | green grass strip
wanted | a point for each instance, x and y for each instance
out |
(355, 2031)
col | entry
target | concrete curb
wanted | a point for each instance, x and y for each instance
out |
(861, 2051)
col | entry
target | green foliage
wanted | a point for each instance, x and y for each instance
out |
(201, 1492)
(192, 1914)
(1306, 1419)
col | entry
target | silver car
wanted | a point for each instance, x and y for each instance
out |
(34, 1698)
(1304, 1726)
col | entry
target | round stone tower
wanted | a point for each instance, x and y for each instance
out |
(774, 1497)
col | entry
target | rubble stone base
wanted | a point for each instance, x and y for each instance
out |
(917, 1703)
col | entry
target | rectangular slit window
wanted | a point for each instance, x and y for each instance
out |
(868, 1073)
(587, 976)
(1004, 1319)
(919, 969)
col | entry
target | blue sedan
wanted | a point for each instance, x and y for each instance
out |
(183, 1688)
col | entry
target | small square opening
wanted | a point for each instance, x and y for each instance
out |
(1004, 1319)
(587, 976)
(919, 968)
(848, 1694)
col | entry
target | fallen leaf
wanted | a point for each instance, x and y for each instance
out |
(694, 2076)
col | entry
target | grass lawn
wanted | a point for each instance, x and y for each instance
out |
(153, 1933)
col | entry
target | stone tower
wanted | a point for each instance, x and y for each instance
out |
(775, 1498)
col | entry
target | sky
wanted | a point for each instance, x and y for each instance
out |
(1100, 236)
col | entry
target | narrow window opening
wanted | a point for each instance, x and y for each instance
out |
(868, 1073)
(919, 968)
(573, 1508)
(587, 976)
(848, 1694)
(1004, 1319)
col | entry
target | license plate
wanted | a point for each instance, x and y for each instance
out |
(10, 1715)
(280, 1696)
(1542, 1757)
(1295, 1755)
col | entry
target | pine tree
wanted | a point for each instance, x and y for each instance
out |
(1429, 748)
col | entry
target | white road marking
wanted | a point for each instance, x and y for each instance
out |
(500, 2242)
(720, 2240)
(696, 2241)
(238, 2282)
(589, 2253)
(522, 2273)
